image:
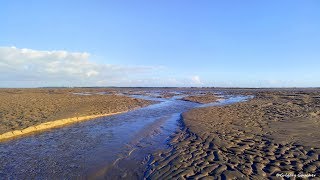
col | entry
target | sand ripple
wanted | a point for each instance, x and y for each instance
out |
(251, 140)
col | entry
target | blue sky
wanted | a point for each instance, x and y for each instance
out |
(160, 43)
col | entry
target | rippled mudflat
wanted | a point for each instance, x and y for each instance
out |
(240, 133)
(113, 146)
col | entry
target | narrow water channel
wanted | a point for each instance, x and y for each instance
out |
(111, 146)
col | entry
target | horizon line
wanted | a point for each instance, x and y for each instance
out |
(65, 87)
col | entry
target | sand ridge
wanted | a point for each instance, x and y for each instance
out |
(203, 98)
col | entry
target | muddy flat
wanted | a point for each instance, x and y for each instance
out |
(190, 133)
(203, 98)
(21, 108)
(274, 135)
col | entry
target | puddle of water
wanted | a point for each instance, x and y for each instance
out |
(109, 147)
(228, 100)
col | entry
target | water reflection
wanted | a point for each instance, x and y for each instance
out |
(93, 148)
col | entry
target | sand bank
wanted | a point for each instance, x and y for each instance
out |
(29, 110)
(203, 99)
(50, 125)
(276, 134)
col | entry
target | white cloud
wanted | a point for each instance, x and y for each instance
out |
(31, 68)
(196, 80)
(56, 68)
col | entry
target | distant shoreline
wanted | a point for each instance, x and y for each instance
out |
(187, 87)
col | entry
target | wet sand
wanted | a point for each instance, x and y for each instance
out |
(23, 108)
(277, 132)
(203, 99)
(111, 147)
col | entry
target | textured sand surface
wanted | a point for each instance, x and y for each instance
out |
(22, 108)
(203, 99)
(277, 132)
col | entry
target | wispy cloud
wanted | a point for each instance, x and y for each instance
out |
(28, 68)
(196, 80)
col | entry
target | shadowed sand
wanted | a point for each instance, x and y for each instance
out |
(24, 111)
(276, 132)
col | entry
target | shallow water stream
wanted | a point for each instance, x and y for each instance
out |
(113, 146)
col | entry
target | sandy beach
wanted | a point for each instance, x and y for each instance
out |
(45, 108)
(275, 135)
